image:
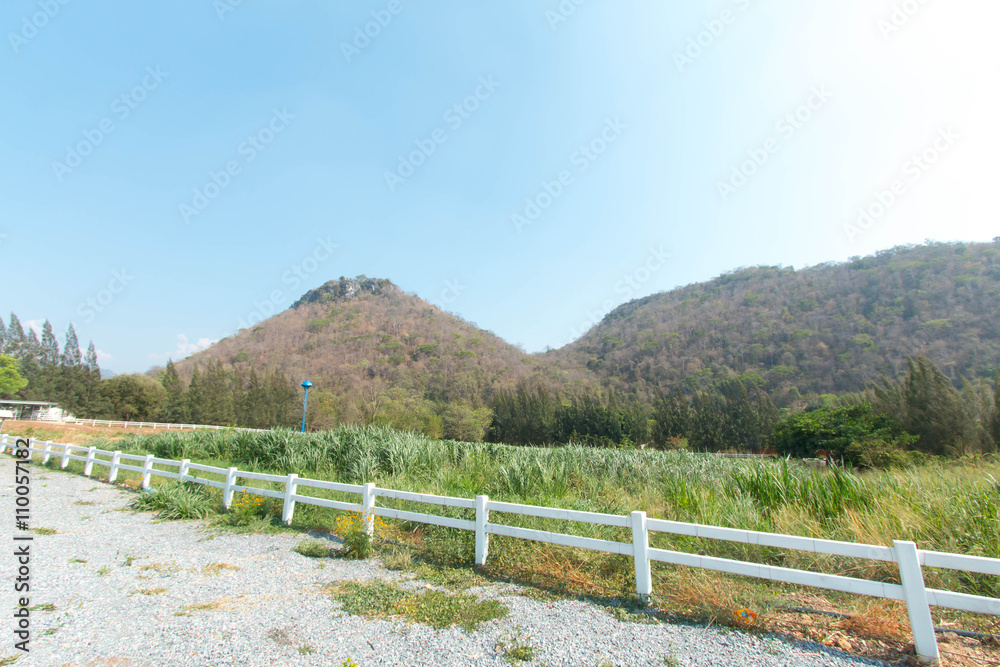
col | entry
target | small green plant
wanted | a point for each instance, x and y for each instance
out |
(128, 561)
(397, 559)
(104, 571)
(10, 660)
(306, 650)
(44, 531)
(313, 549)
(670, 660)
(77, 560)
(248, 510)
(358, 530)
(515, 647)
(439, 609)
(349, 663)
(176, 501)
(43, 607)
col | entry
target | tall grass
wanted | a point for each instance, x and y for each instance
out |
(945, 506)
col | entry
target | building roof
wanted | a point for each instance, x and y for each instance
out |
(39, 403)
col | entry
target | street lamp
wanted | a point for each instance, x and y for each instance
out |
(306, 385)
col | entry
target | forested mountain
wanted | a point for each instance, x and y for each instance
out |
(376, 353)
(831, 328)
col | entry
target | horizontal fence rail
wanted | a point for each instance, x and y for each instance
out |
(905, 555)
(140, 425)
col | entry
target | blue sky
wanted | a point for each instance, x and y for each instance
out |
(173, 171)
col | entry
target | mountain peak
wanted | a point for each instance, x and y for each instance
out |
(345, 289)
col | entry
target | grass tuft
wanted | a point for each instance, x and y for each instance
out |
(439, 609)
(314, 549)
(176, 501)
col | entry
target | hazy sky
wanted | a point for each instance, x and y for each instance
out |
(175, 170)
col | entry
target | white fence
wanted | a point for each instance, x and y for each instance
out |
(906, 555)
(153, 425)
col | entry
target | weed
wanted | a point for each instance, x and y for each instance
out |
(397, 559)
(43, 607)
(306, 649)
(349, 662)
(176, 501)
(515, 647)
(149, 591)
(10, 660)
(44, 531)
(670, 660)
(104, 571)
(213, 569)
(314, 549)
(128, 561)
(380, 599)
(77, 560)
(353, 528)
(84, 502)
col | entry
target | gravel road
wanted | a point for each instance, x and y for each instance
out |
(272, 611)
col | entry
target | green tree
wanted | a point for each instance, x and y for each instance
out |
(10, 379)
(855, 433)
(134, 397)
(195, 397)
(175, 409)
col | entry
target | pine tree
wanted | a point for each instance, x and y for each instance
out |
(3, 336)
(92, 401)
(71, 350)
(175, 410)
(90, 361)
(196, 397)
(49, 357)
(15, 338)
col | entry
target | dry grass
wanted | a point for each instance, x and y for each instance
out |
(217, 568)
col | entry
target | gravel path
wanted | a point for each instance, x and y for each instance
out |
(93, 569)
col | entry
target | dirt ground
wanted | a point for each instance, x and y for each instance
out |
(71, 433)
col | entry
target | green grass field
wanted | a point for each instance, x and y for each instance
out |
(949, 506)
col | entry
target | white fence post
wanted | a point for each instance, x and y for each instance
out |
(286, 511)
(3, 444)
(482, 537)
(89, 465)
(915, 595)
(227, 493)
(183, 469)
(640, 554)
(45, 454)
(115, 461)
(147, 468)
(65, 456)
(368, 509)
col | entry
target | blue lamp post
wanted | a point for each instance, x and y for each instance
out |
(306, 385)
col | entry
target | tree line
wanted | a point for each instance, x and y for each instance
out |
(34, 369)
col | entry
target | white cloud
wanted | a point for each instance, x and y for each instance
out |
(103, 356)
(36, 325)
(186, 348)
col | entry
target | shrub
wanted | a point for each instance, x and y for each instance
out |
(176, 501)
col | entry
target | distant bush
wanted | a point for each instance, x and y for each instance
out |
(855, 434)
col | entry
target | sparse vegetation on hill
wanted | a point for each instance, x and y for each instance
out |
(832, 328)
